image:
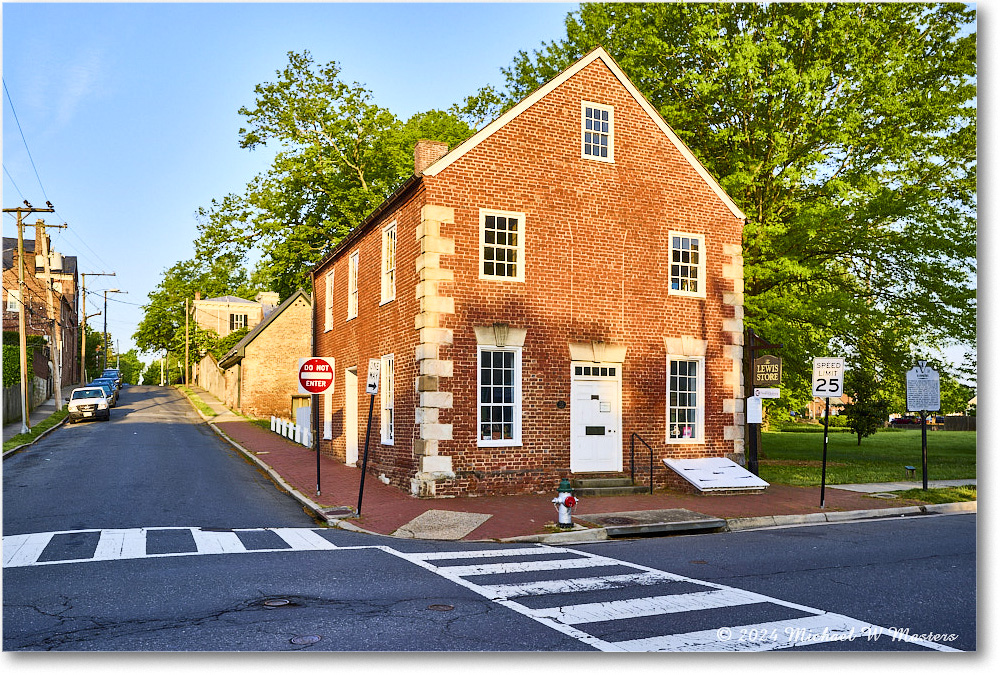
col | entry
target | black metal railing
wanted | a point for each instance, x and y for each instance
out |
(632, 459)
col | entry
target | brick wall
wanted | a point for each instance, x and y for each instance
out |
(270, 363)
(596, 270)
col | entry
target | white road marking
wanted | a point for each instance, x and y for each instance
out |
(662, 604)
(25, 549)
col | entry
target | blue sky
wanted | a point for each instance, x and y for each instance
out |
(129, 111)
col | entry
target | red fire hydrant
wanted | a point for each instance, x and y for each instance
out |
(565, 504)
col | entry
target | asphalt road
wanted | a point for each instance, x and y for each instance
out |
(148, 533)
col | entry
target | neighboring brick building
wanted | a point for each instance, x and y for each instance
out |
(569, 275)
(261, 370)
(229, 313)
(64, 284)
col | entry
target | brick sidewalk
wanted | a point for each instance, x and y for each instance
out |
(387, 508)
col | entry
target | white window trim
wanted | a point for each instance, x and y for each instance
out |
(610, 159)
(387, 391)
(13, 300)
(520, 243)
(701, 292)
(518, 411)
(328, 324)
(699, 429)
(353, 262)
(389, 284)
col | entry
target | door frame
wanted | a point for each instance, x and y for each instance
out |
(351, 436)
(574, 384)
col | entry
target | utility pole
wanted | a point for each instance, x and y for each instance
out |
(83, 322)
(186, 344)
(22, 296)
(43, 248)
(104, 355)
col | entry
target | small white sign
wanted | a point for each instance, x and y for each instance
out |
(923, 388)
(767, 392)
(755, 410)
(374, 367)
(828, 377)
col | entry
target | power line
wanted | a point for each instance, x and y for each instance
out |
(20, 194)
(24, 140)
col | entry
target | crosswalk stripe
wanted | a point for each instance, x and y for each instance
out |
(652, 606)
(25, 549)
(303, 540)
(510, 568)
(121, 544)
(217, 542)
(485, 553)
(553, 586)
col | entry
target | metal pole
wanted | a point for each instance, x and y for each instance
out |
(104, 355)
(83, 333)
(186, 343)
(923, 443)
(826, 442)
(314, 416)
(364, 462)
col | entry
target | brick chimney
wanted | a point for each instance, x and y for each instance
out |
(426, 153)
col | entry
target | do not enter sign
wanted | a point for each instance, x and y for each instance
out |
(315, 375)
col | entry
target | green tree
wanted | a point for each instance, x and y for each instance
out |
(131, 366)
(340, 155)
(162, 324)
(868, 409)
(845, 132)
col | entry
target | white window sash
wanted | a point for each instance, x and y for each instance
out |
(352, 285)
(516, 404)
(700, 266)
(584, 105)
(389, 263)
(328, 324)
(519, 248)
(698, 435)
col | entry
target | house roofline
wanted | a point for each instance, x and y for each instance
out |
(236, 354)
(598, 53)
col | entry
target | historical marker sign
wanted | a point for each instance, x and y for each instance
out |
(766, 372)
(923, 388)
(828, 377)
(315, 374)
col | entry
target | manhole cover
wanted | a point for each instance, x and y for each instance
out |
(277, 602)
(305, 639)
(441, 608)
(619, 520)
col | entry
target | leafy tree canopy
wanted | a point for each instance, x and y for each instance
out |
(846, 133)
(339, 156)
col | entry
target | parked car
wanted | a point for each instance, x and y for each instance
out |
(111, 393)
(114, 374)
(89, 402)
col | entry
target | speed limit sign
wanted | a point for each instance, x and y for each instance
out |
(828, 377)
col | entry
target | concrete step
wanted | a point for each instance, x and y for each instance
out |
(606, 487)
(652, 523)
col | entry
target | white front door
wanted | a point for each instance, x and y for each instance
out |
(595, 418)
(351, 415)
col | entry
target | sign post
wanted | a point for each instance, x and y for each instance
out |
(374, 372)
(763, 376)
(923, 393)
(827, 381)
(315, 378)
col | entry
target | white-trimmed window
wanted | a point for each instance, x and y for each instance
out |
(387, 387)
(685, 399)
(13, 300)
(389, 262)
(501, 245)
(687, 264)
(597, 131)
(328, 299)
(237, 321)
(352, 286)
(499, 384)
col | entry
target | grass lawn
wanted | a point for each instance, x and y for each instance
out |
(196, 400)
(797, 458)
(36, 431)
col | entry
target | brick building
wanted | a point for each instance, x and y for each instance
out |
(568, 276)
(261, 370)
(62, 279)
(229, 313)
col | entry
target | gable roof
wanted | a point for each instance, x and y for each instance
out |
(238, 351)
(597, 54)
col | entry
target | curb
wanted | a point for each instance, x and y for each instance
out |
(740, 524)
(42, 435)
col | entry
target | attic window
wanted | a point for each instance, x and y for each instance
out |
(597, 131)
